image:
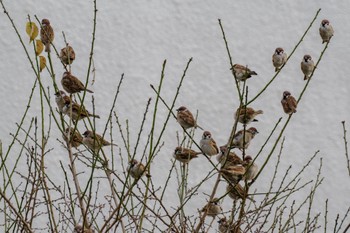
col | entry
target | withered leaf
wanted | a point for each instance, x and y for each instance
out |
(32, 31)
(42, 62)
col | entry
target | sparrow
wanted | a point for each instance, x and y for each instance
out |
(81, 229)
(235, 192)
(230, 160)
(74, 138)
(307, 66)
(72, 84)
(233, 173)
(225, 227)
(279, 58)
(212, 208)
(245, 115)
(251, 168)
(326, 31)
(208, 145)
(61, 99)
(76, 112)
(137, 169)
(95, 141)
(67, 55)
(185, 118)
(185, 155)
(46, 34)
(242, 138)
(289, 103)
(242, 73)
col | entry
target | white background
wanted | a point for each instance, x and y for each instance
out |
(135, 37)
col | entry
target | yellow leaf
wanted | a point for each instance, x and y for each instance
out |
(39, 47)
(42, 62)
(32, 30)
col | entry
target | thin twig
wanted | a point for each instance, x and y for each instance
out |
(346, 147)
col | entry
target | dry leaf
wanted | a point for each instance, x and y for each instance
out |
(42, 62)
(39, 47)
(32, 30)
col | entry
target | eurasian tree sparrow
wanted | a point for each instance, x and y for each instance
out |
(235, 192)
(242, 139)
(137, 169)
(67, 55)
(251, 168)
(95, 141)
(246, 115)
(76, 112)
(242, 73)
(47, 34)
(230, 160)
(185, 118)
(225, 227)
(289, 103)
(72, 84)
(61, 99)
(233, 173)
(185, 155)
(279, 58)
(326, 31)
(208, 145)
(307, 66)
(81, 229)
(212, 208)
(75, 137)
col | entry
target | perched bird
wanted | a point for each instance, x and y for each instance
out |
(67, 55)
(46, 34)
(326, 31)
(185, 155)
(208, 145)
(76, 112)
(233, 173)
(307, 66)
(230, 160)
(137, 169)
(212, 208)
(81, 229)
(289, 103)
(73, 137)
(242, 138)
(251, 168)
(72, 84)
(246, 115)
(95, 141)
(242, 73)
(61, 99)
(236, 192)
(279, 58)
(225, 227)
(185, 118)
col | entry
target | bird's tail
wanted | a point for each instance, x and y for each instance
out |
(47, 47)
(259, 112)
(197, 126)
(92, 115)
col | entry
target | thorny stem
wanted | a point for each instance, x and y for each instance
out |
(346, 147)
(25, 224)
(151, 149)
(230, 59)
(290, 55)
